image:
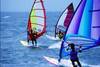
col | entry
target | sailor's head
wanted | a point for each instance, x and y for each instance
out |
(31, 29)
(71, 45)
(34, 29)
(59, 31)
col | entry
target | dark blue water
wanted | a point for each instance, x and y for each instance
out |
(13, 29)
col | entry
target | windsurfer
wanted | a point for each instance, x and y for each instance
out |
(60, 35)
(34, 35)
(73, 55)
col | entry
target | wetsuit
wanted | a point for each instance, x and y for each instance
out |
(28, 36)
(34, 41)
(60, 35)
(74, 58)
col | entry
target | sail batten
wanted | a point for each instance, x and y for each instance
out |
(98, 10)
(38, 16)
(38, 1)
(38, 24)
(95, 26)
(38, 9)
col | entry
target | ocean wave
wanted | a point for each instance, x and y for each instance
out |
(5, 17)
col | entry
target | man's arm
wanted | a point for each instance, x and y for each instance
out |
(80, 49)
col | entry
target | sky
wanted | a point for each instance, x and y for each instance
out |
(25, 5)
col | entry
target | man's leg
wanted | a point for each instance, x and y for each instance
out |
(35, 42)
(79, 63)
(73, 63)
(28, 40)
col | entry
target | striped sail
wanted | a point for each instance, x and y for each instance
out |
(37, 19)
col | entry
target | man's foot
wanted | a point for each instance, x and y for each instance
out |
(28, 41)
(36, 46)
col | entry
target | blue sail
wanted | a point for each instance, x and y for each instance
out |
(85, 26)
(79, 11)
(82, 26)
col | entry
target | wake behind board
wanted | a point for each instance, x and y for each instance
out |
(26, 44)
(30, 45)
(52, 37)
(77, 41)
(66, 62)
(55, 45)
(54, 61)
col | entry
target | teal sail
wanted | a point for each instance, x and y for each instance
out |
(84, 27)
(86, 21)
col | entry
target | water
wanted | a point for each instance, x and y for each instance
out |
(13, 29)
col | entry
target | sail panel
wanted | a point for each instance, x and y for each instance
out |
(85, 24)
(39, 13)
(39, 24)
(38, 5)
(62, 18)
(75, 23)
(39, 28)
(69, 15)
(33, 19)
(95, 28)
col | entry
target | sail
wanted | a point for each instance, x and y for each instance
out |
(65, 18)
(87, 25)
(83, 26)
(37, 19)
